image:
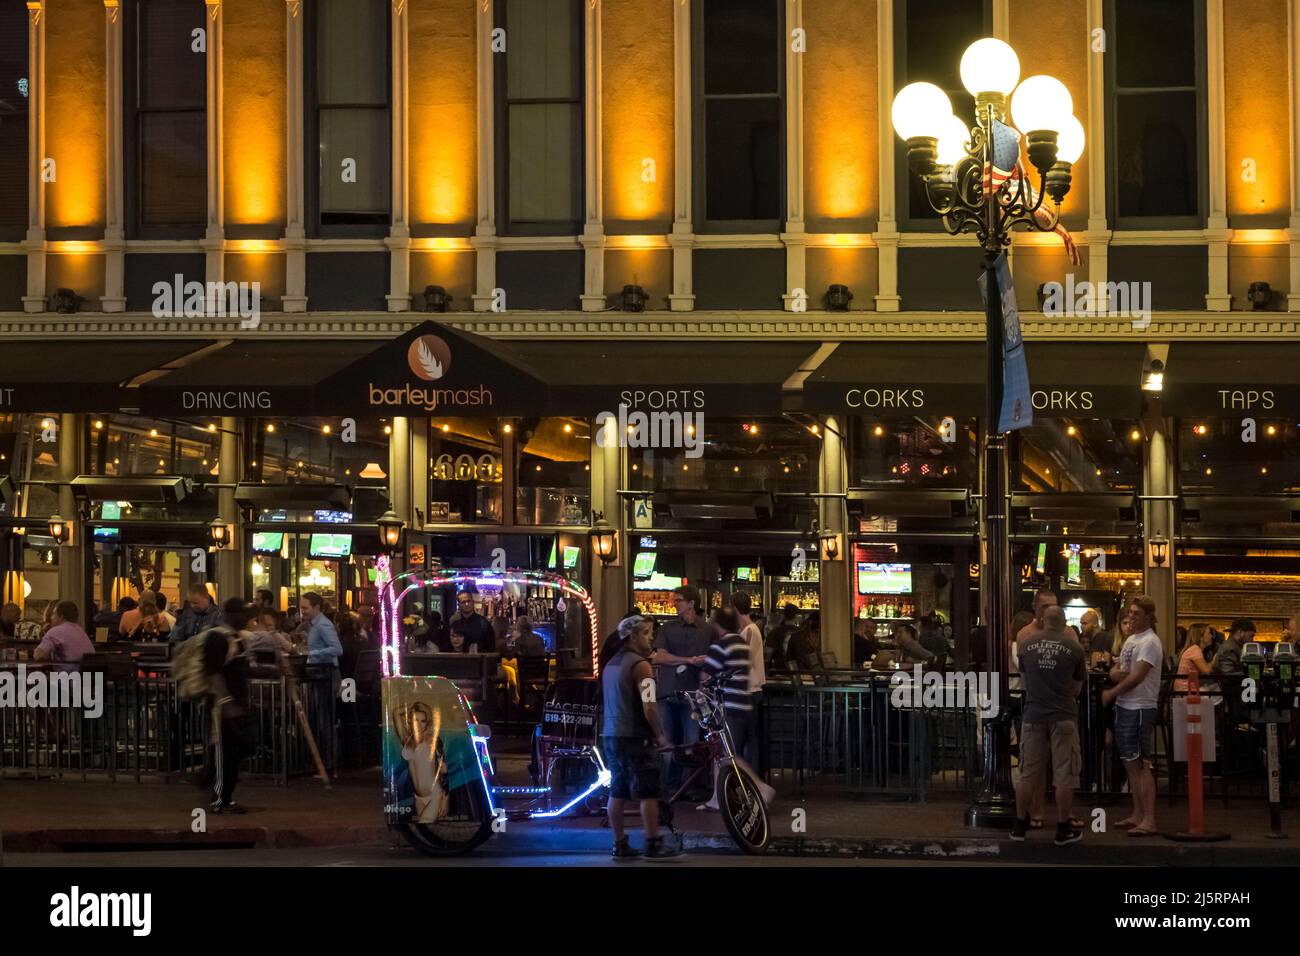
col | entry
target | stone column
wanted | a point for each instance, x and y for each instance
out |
(1158, 521)
(682, 240)
(74, 583)
(485, 232)
(114, 297)
(609, 585)
(836, 602)
(399, 234)
(214, 238)
(234, 558)
(593, 230)
(295, 241)
(886, 234)
(796, 241)
(399, 470)
(34, 300)
(1216, 225)
(1293, 233)
(1098, 229)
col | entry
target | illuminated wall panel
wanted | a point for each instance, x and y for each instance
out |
(1034, 265)
(266, 268)
(74, 103)
(1256, 107)
(1258, 263)
(651, 269)
(253, 64)
(454, 271)
(441, 40)
(637, 100)
(83, 273)
(842, 169)
(1053, 38)
(843, 265)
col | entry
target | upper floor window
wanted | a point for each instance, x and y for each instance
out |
(15, 93)
(166, 119)
(739, 88)
(929, 38)
(1156, 124)
(349, 126)
(539, 117)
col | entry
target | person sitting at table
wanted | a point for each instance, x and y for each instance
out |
(457, 642)
(66, 642)
(151, 623)
(864, 642)
(268, 636)
(910, 650)
(527, 642)
(476, 628)
(1191, 654)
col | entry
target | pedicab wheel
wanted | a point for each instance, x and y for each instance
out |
(743, 810)
(440, 839)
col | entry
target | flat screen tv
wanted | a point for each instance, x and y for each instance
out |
(644, 564)
(330, 545)
(571, 557)
(746, 574)
(884, 578)
(1041, 565)
(268, 542)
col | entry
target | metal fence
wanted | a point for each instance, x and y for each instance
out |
(147, 730)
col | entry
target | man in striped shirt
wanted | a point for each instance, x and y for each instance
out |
(729, 657)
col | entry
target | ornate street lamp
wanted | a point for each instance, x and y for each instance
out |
(219, 533)
(390, 530)
(58, 528)
(604, 539)
(976, 183)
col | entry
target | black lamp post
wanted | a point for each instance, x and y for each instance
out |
(951, 156)
(604, 539)
(390, 530)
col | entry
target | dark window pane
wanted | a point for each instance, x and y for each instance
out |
(14, 92)
(352, 52)
(1171, 60)
(911, 453)
(742, 46)
(172, 75)
(938, 33)
(544, 49)
(1156, 140)
(544, 163)
(776, 455)
(465, 471)
(1081, 455)
(173, 168)
(743, 158)
(1214, 460)
(362, 137)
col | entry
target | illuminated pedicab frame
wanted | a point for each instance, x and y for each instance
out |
(393, 590)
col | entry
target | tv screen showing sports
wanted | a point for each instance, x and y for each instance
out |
(746, 574)
(268, 542)
(571, 557)
(1041, 566)
(644, 564)
(330, 545)
(884, 578)
(107, 534)
(1072, 569)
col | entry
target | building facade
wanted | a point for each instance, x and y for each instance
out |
(640, 203)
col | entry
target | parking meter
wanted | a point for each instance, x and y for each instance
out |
(1274, 683)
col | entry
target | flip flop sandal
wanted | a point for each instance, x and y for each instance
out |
(1078, 824)
(1142, 832)
(1125, 825)
(1035, 824)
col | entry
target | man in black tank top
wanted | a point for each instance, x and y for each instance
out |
(631, 732)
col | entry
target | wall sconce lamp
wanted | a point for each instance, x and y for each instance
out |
(219, 533)
(634, 298)
(436, 299)
(59, 529)
(1159, 550)
(390, 529)
(1153, 379)
(604, 538)
(831, 548)
(838, 298)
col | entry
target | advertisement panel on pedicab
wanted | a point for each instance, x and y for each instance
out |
(431, 767)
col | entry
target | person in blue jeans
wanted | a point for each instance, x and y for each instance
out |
(323, 652)
(680, 649)
(1136, 694)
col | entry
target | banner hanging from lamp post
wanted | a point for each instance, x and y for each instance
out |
(1016, 409)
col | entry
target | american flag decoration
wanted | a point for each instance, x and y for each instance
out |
(1005, 166)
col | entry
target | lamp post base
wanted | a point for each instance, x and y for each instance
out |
(992, 811)
(995, 804)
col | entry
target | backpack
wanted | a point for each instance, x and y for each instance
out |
(188, 667)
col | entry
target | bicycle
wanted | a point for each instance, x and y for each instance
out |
(742, 807)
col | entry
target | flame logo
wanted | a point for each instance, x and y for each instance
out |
(429, 357)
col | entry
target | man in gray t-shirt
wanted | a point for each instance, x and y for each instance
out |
(1053, 669)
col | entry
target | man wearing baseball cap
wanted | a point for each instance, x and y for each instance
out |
(1227, 662)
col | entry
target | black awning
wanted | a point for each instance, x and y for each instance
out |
(249, 378)
(1232, 379)
(82, 375)
(436, 370)
(901, 379)
(729, 378)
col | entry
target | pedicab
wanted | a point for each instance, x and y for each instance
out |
(438, 769)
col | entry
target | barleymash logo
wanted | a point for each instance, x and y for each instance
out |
(429, 359)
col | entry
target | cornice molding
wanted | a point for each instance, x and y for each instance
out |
(1170, 326)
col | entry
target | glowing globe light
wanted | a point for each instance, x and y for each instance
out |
(953, 138)
(1041, 103)
(1070, 144)
(919, 110)
(990, 66)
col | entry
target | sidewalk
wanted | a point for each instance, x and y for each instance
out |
(59, 816)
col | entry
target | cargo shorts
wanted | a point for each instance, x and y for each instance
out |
(1061, 738)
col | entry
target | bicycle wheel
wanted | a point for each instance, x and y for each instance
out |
(468, 823)
(743, 810)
